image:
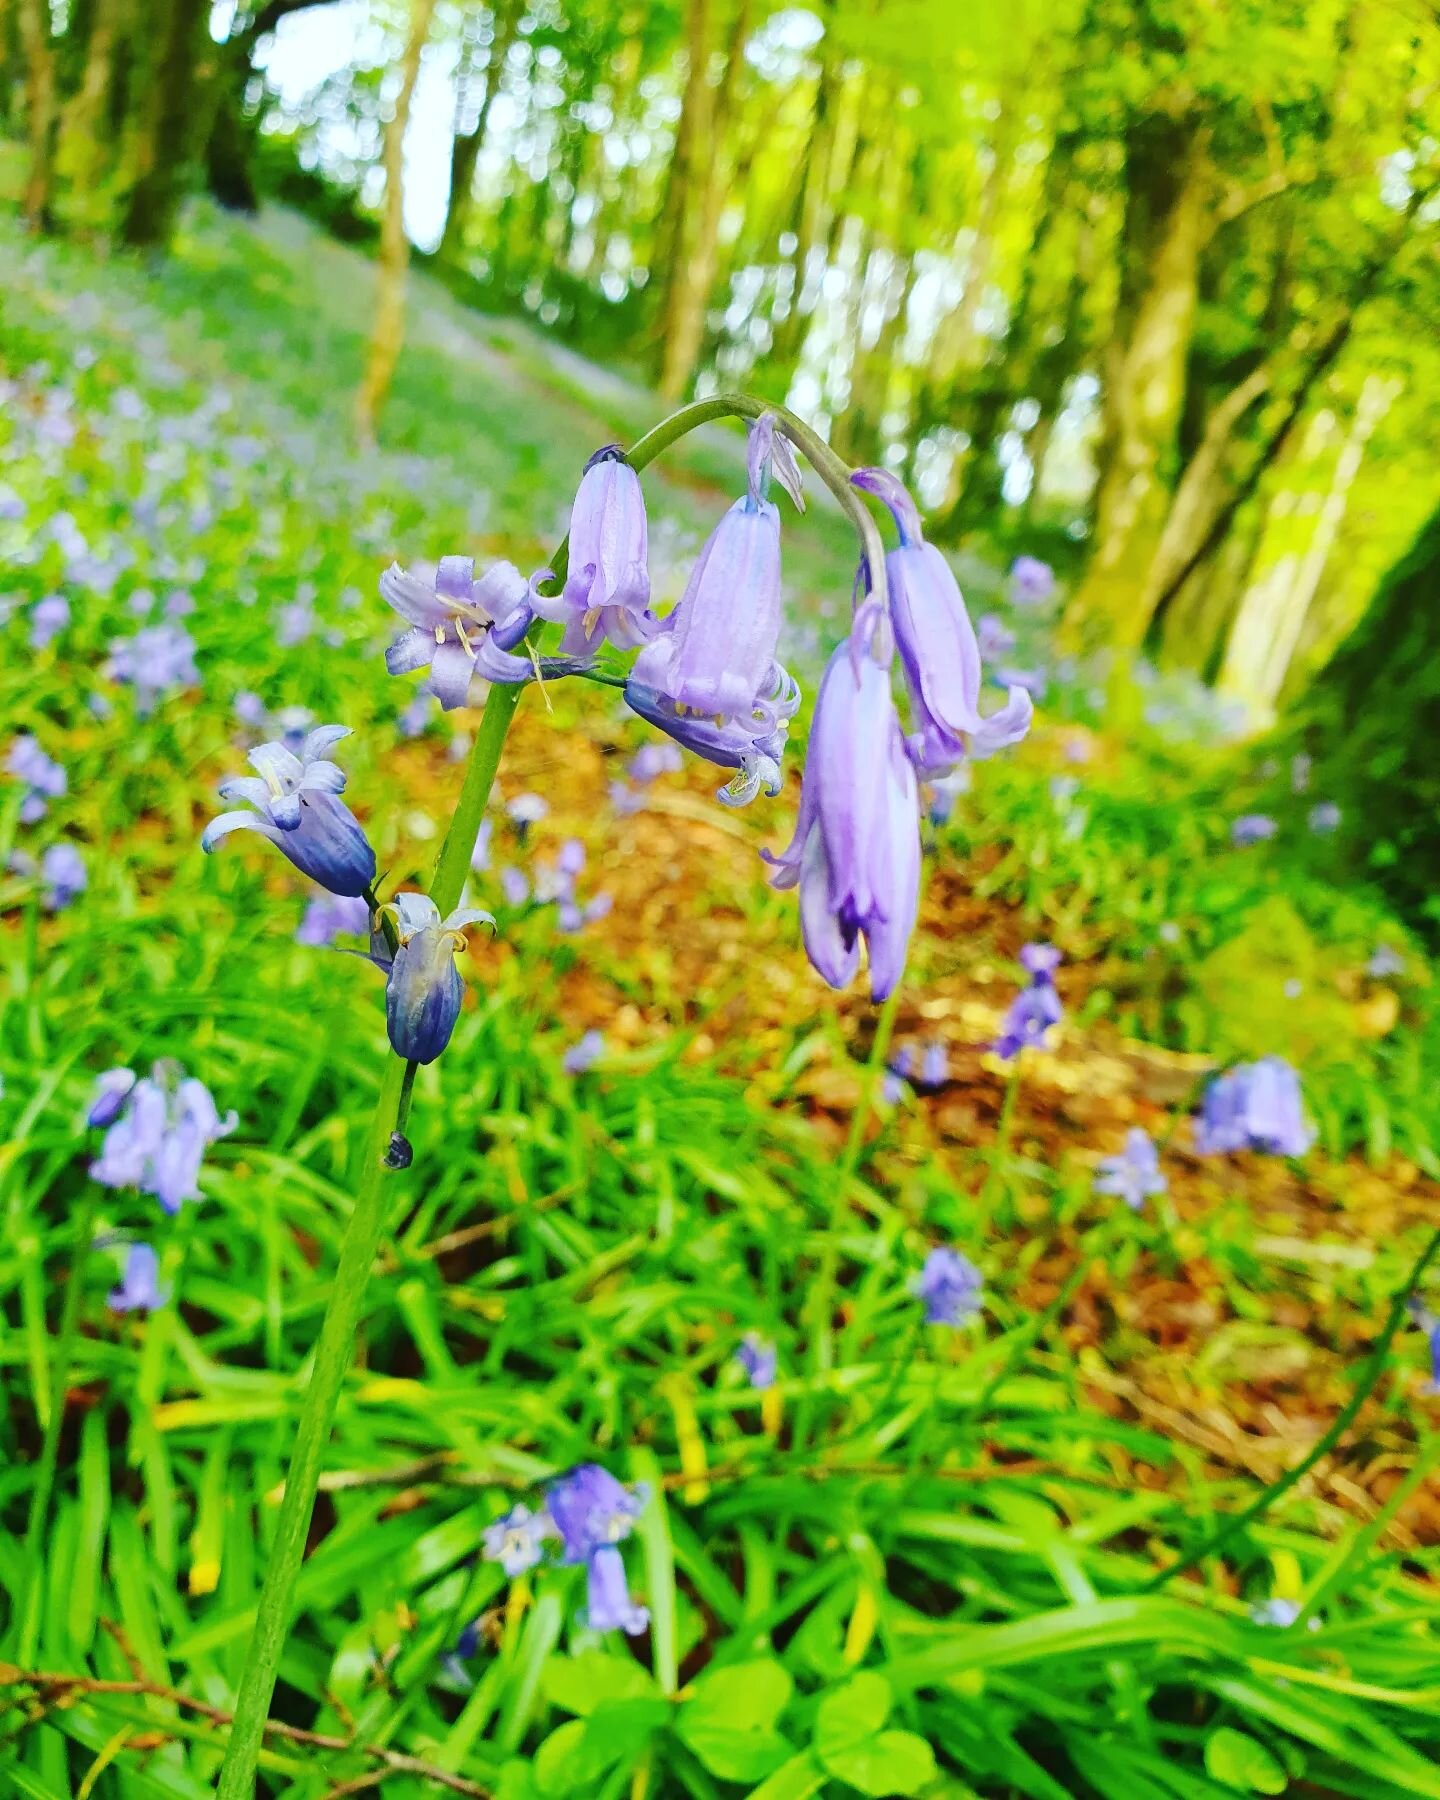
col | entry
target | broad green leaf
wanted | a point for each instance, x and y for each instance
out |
(794, 1780)
(578, 1684)
(745, 1696)
(851, 1715)
(894, 1762)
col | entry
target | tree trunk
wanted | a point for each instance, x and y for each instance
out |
(39, 54)
(164, 138)
(389, 329)
(86, 138)
(1170, 173)
(467, 145)
(810, 221)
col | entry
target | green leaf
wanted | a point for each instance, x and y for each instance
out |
(1243, 1762)
(563, 1762)
(737, 1755)
(578, 1684)
(894, 1762)
(851, 1715)
(798, 1779)
(748, 1696)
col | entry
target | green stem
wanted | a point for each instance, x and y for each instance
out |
(1000, 1150)
(40, 1494)
(342, 1313)
(1371, 1374)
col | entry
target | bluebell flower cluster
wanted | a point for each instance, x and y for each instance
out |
(583, 1054)
(43, 778)
(759, 1360)
(1255, 1106)
(1134, 1175)
(1032, 582)
(949, 1287)
(590, 1514)
(157, 1130)
(1035, 1008)
(1252, 828)
(158, 661)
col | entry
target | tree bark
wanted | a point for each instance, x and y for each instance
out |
(467, 145)
(1146, 387)
(163, 142)
(86, 133)
(389, 328)
(39, 54)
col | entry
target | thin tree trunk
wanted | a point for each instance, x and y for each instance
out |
(165, 138)
(810, 220)
(467, 145)
(389, 329)
(39, 57)
(85, 137)
(1147, 395)
(692, 137)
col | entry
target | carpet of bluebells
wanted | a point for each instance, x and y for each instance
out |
(1117, 1214)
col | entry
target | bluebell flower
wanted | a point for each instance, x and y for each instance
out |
(1255, 1106)
(758, 1359)
(250, 709)
(1430, 1325)
(1032, 582)
(570, 859)
(590, 1508)
(1035, 1008)
(328, 916)
(424, 990)
(950, 1287)
(299, 810)
(752, 745)
(451, 617)
(514, 886)
(48, 618)
(45, 780)
(415, 719)
(715, 654)
(480, 855)
(1325, 817)
(154, 662)
(945, 790)
(993, 637)
(1252, 828)
(1384, 961)
(939, 652)
(107, 1102)
(12, 507)
(606, 593)
(157, 1140)
(139, 1289)
(1134, 1174)
(179, 605)
(62, 869)
(516, 1541)
(1277, 1612)
(653, 760)
(609, 1606)
(294, 623)
(583, 1054)
(855, 855)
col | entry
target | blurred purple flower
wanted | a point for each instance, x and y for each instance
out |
(855, 855)
(451, 618)
(516, 1540)
(107, 1102)
(1134, 1174)
(62, 869)
(1385, 961)
(758, 1359)
(158, 1139)
(154, 662)
(44, 778)
(417, 716)
(48, 618)
(950, 1287)
(1430, 1325)
(934, 1067)
(526, 810)
(139, 1289)
(1255, 1106)
(993, 637)
(1277, 1612)
(1301, 767)
(591, 1508)
(514, 887)
(652, 760)
(571, 857)
(249, 709)
(1252, 828)
(297, 807)
(480, 855)
(328, 916)
(607, 582)
(939, 652)
(609, 1606)
(1325, 817)
(1035, 1008)
(1032, 582)
(945, 790)
(583, 1054)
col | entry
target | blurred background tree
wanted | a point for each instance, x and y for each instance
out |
(1147, 285)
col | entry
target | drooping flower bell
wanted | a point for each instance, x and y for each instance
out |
(591, 1508)
(752, 745)
(157, 1132)
(452, 619)
(1035, 1008)
(516, 1540)
(715, 654)
(139, 1289)
(759, 1359)
(607, 582)
(855, 854)
(1255, 1106)
(423, 989)
(297, 808)
(1427, 1322)
(938, 648)
(1134, 1174)
(608, 1602)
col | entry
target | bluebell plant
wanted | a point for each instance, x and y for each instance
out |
(1134, 1174)
(1036, 1007)
(709, 676)
(1254, 1106)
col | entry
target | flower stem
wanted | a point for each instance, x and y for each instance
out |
(342, 1314)
(44, 1488)
(1370, 1375)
